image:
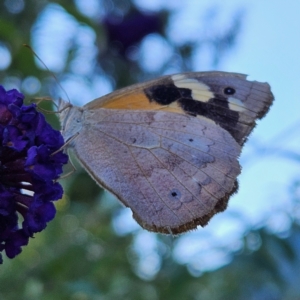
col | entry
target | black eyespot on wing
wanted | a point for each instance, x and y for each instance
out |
(229, 91)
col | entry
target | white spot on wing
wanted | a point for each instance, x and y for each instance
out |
(236, 104)
(200, 91)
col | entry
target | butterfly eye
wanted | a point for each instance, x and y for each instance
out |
(229, 91)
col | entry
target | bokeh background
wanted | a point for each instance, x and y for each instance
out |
(93, 249)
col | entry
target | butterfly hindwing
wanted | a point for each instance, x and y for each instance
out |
(168, 168)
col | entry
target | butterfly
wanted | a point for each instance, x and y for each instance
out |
(168, 148)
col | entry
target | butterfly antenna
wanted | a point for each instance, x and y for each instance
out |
(55, 78)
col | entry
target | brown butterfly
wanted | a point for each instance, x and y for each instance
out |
(168, 148)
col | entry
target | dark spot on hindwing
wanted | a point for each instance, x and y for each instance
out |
(216, 109)
(174, 194)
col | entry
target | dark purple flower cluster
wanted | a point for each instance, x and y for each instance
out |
(28, 170)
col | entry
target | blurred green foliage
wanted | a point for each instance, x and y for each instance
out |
(81, 255)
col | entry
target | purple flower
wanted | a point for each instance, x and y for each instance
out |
(28, 171)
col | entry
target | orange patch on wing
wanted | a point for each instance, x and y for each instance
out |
(133, 100)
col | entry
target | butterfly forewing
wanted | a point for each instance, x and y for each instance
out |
(228, 99)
